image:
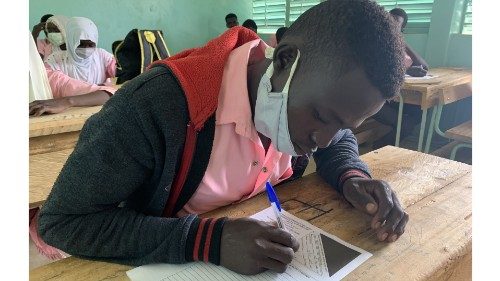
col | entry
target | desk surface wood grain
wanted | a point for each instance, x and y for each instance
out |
(436, 192)
(70, 120)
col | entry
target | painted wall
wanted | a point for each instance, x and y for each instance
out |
(185, 23)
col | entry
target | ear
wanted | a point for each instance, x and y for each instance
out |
(284, 56)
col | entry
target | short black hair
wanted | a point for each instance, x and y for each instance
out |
(230, 15)
(398, 12)
(45, 17)
(250, 24)
(345, 34)
(280, 32)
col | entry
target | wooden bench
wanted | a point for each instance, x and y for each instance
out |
(461, 133)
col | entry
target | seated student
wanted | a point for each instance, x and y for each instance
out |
(208, 127)
(280, 32)
(231, 20)
(55, 30)
(415, 66)
(43, 45)
(250, 24)
(77, 76)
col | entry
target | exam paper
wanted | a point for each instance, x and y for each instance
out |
(321, 256)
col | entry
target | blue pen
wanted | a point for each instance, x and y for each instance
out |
(275, 204)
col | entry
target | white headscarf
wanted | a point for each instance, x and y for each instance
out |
(61, 22)
(91, 69)
(39, 84)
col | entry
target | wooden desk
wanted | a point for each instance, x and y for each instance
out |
(58, 131)
(44, 169)
(436, 192)
(427, 95)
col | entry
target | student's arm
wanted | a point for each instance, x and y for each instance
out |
(113, 160)
(68, 92)
(110, 63)
(417, 59)
(339, 158)
(340, 165)
(52, 106)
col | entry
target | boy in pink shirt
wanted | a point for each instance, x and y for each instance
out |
(147, 164)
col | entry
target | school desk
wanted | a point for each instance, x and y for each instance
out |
(44, 169)
(53, 132)
(437, 244)
(426, 94)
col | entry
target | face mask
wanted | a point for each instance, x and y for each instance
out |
(271, 117)
(55, 38)
(84, 53)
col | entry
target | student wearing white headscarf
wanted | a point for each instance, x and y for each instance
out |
(55, 28)
(77, 75)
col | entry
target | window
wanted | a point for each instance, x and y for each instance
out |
(467, 18)
(419, 13)
(269, 15)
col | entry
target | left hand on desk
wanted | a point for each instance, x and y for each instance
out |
(40, 107)
(376, 198)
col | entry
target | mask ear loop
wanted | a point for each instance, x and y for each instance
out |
(270, 70)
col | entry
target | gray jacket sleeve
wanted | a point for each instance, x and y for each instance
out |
(339, 157)
(82, 215)
(113, 161)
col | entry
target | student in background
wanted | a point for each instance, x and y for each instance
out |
(43, 45)
(416, 65)
(231, 20)
(54, 28)
(208, 127)
(250, 24)
(77, 76)
(280, 32)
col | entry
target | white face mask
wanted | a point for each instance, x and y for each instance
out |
(271, 117)
(84, 52)
(55, 38)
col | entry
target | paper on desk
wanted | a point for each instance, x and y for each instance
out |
(428, 76)
(321, 256)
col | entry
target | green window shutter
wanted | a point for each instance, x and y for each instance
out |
(467, 19)
(419, 13)
(269, 15)
(297, 7)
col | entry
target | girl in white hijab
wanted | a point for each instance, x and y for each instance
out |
(77, 75)
(55, 27)
(82, 60)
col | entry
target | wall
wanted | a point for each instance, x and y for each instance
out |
(185, 23)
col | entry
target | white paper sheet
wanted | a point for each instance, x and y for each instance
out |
(321, 256)
(426, 77)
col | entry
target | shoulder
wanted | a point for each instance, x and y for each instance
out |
(155, 92)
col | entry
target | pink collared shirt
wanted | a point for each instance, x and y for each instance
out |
(239, 165)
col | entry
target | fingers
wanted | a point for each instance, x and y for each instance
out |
(274, 265)
(383, 195)
(277, 251)
(395, 223)
(284, 238)
(37, 110)
(359, 197)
